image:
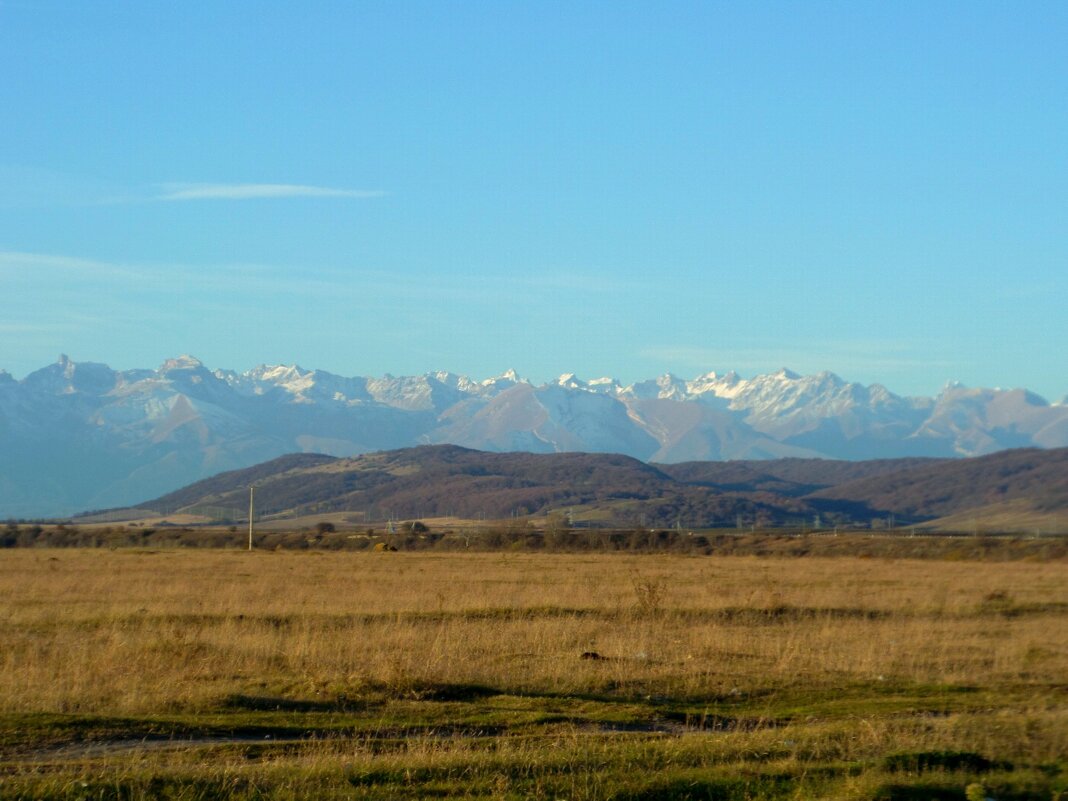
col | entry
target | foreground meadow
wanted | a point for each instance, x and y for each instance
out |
(226, 674)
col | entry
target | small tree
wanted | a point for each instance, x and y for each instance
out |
(325, 527)
(557, 531)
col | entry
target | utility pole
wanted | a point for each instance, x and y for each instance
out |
(251, 514)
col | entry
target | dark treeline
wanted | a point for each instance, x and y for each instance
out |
(518, 537)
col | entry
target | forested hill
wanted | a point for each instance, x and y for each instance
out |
(440, 480)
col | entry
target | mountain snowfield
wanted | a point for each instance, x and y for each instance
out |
(76, 436)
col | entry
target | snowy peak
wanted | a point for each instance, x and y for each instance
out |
(463, 384)
(66, 377)
(604, 385)
(765, 401)
(666, 387)
(600, 386)
(183, 362)
(508, 375)
(506, 380)
(570, 381)
(278, 373)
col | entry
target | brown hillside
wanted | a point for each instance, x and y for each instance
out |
(450, 481)
(1040, 478)
(791, 476)
(454, 481)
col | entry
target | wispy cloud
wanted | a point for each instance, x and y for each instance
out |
(175, 191)
(155, 285)
(245, 283)
(35, 328)
(13, 261)
(45, 267)
(30, 187)
(574, 281)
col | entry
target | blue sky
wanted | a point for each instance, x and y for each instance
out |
(877, 189)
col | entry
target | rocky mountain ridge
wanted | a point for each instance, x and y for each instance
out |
(80, 435)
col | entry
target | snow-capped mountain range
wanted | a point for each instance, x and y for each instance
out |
(75, 436)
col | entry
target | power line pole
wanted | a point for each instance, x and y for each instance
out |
(251, 514)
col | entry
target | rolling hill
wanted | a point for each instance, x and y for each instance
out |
(613, 489)
(1011, 485)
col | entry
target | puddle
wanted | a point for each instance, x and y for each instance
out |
(105, 748)
(669, 724)
(97, 749)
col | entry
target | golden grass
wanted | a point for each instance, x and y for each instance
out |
(128, 632)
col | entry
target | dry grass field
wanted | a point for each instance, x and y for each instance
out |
(202, 674)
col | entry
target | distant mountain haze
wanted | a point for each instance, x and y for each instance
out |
(78, 436)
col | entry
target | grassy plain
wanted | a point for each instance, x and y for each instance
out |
(201, 674)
